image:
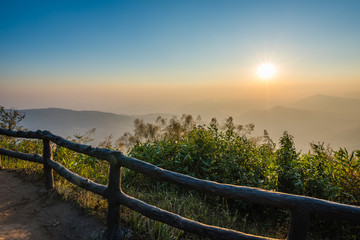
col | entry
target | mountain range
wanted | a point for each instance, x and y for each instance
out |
(67, 123)
(318, 118)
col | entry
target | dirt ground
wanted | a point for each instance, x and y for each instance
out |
(27, 211)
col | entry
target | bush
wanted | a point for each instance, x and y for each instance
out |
(224, 153)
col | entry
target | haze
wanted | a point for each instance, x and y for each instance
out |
(139, 57)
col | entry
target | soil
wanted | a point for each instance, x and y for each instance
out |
(28, 211)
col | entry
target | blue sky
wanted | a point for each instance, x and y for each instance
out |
(115, 43)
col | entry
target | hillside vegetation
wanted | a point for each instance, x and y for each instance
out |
(224, 153)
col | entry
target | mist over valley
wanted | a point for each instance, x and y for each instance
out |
(318, 118)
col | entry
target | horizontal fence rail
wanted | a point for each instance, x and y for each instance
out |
(301, 207)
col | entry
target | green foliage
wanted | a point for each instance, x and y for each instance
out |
(346, 175)
(229, 154)
(286, 161)
(224, 153)
(316, 173)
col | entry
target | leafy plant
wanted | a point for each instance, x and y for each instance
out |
(225, 153)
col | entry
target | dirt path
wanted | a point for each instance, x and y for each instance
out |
(29, 212)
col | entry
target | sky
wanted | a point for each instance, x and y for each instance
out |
(153, 56)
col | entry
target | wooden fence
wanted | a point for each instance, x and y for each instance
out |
(301, 207)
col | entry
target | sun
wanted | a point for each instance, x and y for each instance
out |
(266, 71)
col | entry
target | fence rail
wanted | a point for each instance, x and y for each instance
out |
(301, 207)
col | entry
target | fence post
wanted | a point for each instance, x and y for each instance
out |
(299, 224)
(48, 173)
(113, 231)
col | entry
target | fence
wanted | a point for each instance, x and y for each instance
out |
(301, 207)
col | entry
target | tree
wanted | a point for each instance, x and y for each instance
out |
(286, 160)
(9, 119)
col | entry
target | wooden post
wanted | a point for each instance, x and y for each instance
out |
(299, 225)
(113, 231)
(48, 174)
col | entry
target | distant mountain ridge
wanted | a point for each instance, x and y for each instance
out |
(322, 118)
(326, 103)
(334, 120)
(223, 108)
(66, 122)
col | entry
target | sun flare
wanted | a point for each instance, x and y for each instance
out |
(266, 71)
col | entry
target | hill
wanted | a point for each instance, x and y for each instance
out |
(66, 122)
(318, 118)
(334, 120)
(223, 108)
(329, 104)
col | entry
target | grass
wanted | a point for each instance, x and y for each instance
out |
(220, 155)
(190, 204)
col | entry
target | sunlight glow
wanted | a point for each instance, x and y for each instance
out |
(266, 71)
